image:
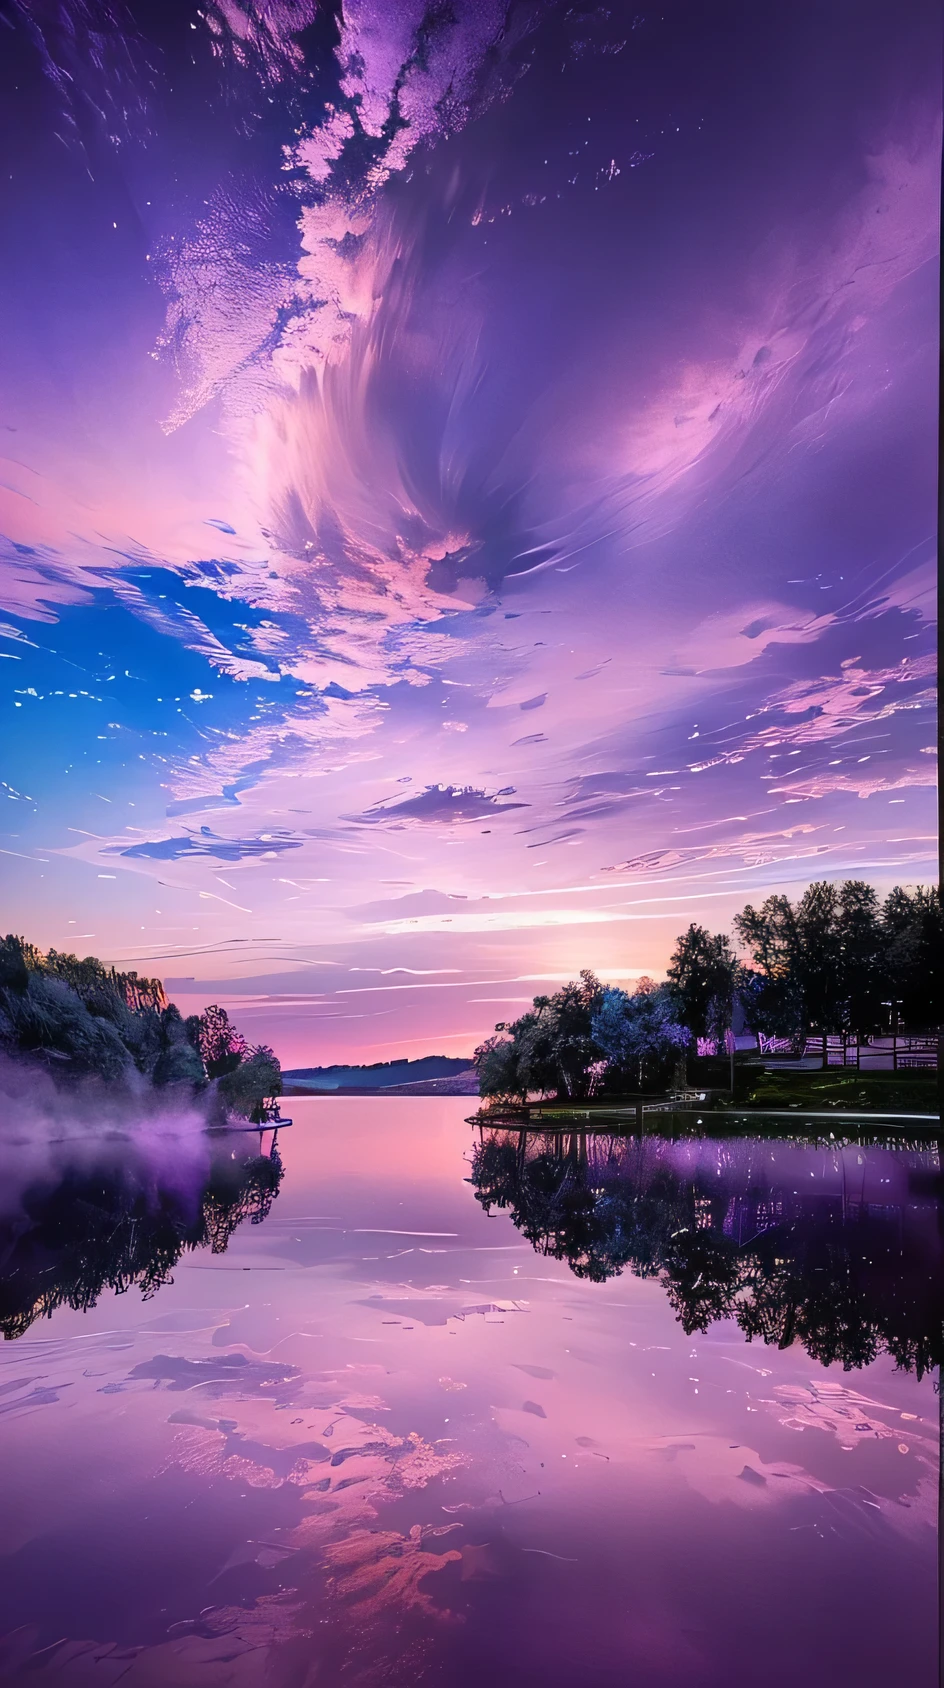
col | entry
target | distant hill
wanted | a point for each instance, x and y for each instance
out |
(430, 1070)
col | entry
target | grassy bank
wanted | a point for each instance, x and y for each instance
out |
(839, 1087)
(844, 1089)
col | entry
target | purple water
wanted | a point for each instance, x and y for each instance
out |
(381, 1438)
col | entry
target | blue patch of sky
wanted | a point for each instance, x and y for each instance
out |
(97, 707)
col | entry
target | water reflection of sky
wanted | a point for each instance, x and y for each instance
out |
(381, 1438)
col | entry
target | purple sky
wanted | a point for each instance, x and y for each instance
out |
(468, 492)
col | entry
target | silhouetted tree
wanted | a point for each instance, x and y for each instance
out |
(499, 1070)
(829, 962)
(221, 1046)
(912, 924)
(862, 967)
(704, 974)
(773, 1000)
(548, 1051)
(252, 1088)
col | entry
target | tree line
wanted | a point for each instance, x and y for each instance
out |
(837, 961)
(81, 1019)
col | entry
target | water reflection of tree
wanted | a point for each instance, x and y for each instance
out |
(848, 1278)
(120, 1223)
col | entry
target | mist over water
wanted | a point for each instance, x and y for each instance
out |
(37, 1110)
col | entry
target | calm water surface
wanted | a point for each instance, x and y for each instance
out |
(414, 1412)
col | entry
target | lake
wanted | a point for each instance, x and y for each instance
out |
(423, 1404)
